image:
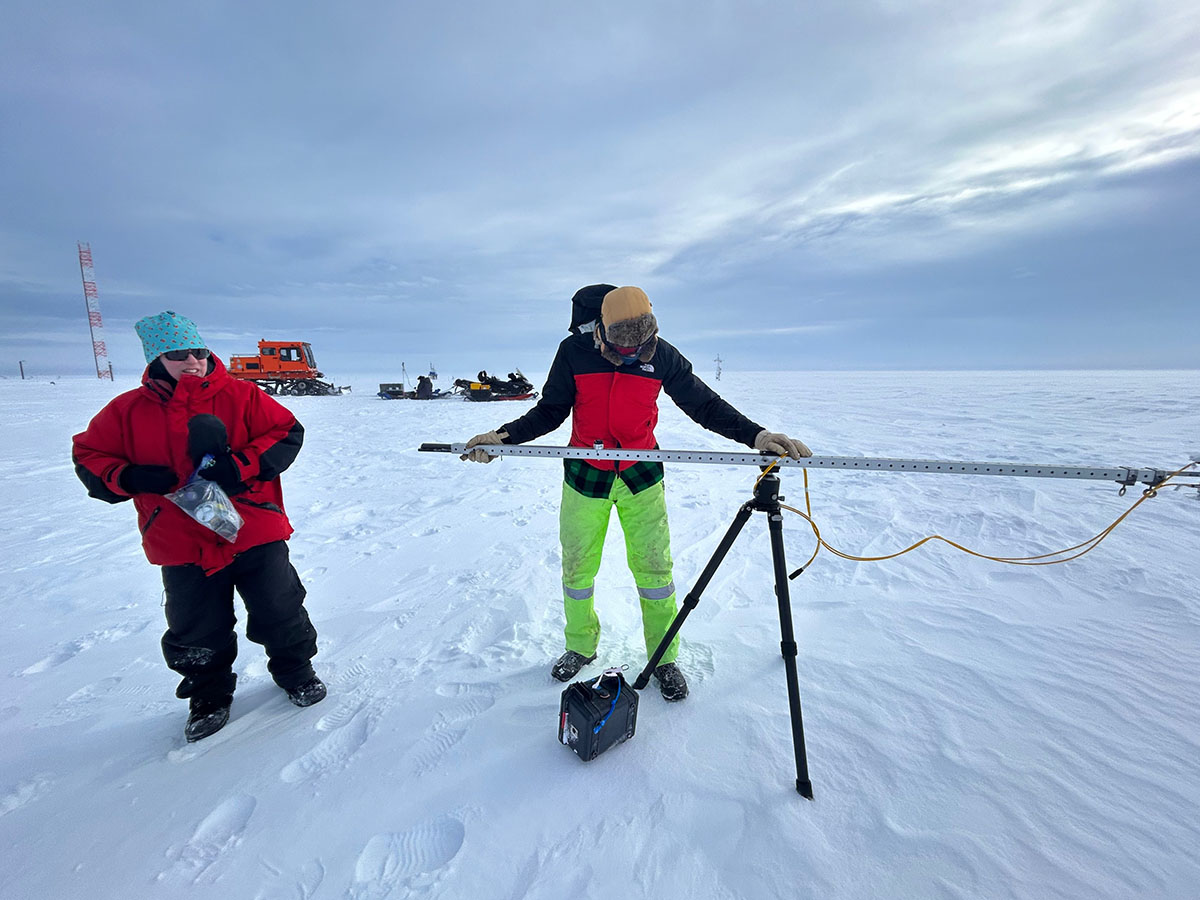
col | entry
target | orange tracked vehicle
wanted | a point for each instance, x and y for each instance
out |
(283, 367)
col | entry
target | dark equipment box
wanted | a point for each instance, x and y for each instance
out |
(394, 391)
(594, 715)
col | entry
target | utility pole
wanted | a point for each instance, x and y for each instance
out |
(91, 299)
(718, 362)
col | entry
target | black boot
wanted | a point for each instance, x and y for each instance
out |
(308, 693)
(206, 716)
(671, 682)
(568, 665)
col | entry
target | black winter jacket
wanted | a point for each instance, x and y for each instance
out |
(619, 405)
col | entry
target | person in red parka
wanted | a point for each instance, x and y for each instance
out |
(150, 441)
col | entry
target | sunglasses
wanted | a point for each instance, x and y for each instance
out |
(181, 355)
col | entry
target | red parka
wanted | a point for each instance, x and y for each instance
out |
(149, 426)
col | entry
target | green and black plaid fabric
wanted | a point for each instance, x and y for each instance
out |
(642, 475)
(588, 480)
(593, 482)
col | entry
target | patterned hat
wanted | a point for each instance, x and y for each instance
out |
(167, 331)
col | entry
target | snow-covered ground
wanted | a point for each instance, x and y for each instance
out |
(974, 729)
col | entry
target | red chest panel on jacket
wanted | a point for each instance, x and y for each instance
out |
(617, 408)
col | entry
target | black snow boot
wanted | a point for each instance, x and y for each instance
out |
(308, 693)
(206, 716)
(671, 682)
(568, 665)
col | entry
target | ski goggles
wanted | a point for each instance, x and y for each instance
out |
(181, 355)
(629, 355)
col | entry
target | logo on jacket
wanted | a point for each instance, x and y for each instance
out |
(646, 367)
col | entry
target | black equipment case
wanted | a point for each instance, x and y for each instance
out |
(594, 715)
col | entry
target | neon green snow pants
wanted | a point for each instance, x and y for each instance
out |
(583, 523)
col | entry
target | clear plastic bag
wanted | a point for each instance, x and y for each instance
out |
(208, 504)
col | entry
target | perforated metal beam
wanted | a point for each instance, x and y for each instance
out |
(1120, 474)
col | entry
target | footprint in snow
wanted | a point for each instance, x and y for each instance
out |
(94, 690)
(219, 832)
(409, 863)
(81, 703)
(488, 631)
(24, 792)
(334, 751)
(69, 650)
(440, 740)
(467, 702)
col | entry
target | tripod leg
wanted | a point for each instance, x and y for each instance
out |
(693, 597)
(788, 648)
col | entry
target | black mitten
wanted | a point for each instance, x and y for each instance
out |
(224, 471)
(206, 434)
(147, 479)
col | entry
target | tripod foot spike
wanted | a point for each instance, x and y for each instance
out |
(804, 788)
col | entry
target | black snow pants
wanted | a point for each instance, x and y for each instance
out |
(200, 643)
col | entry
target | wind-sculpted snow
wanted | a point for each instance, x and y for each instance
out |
(973, 729)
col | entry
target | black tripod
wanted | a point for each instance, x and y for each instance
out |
(766, 499)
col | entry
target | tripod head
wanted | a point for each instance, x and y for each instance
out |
(766, 492)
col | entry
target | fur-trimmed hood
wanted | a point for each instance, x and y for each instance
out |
(640, 332)
(626, 320)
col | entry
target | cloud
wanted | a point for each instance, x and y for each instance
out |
(958, 200)
(767, 331)
(455, 173)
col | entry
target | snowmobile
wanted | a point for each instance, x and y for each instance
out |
(489, 387)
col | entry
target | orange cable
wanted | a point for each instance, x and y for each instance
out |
(1042, 559)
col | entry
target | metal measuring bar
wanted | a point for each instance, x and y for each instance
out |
(1125, 475)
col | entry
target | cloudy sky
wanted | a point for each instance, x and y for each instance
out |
(833, 185)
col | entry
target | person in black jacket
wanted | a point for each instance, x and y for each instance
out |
(607, 375)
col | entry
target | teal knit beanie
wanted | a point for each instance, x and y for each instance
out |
(167, 331)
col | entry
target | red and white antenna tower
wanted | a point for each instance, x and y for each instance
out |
(91, 297)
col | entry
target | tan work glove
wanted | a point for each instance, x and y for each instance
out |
(488, 437)
(780, 444)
